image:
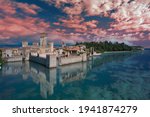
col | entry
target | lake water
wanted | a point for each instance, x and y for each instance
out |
(110, 76)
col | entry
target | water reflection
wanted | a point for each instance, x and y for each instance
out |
(126, 77)
(110, 76)
(70, 73)
(46, 78)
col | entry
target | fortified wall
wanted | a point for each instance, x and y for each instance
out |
(14, 59)
(46, 54)
(48, 60)
(72, 59)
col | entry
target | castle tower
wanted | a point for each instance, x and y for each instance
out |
(24, 44)
(51, 46)
(63, 44)
(43, 40)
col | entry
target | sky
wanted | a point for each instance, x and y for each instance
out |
(73, 21)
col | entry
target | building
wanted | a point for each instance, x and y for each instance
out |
(51, 46)
(7, 53)
(35, 44)
(43, 40)
(11, 52)
(45, 53)
(74, 50)
(24, 44)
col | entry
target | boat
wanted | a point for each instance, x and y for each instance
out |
(96, 54)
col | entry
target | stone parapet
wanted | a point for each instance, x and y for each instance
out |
(49, 61)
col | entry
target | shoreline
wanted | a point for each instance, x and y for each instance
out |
(109, 52)
(115, 52)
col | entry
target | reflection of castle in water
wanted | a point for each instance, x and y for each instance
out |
(126, 78)
(73, 72)
(46, 78)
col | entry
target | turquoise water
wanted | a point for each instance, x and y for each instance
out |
(110, 76)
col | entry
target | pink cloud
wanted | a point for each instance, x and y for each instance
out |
(130, 17)
(30, 9)
(131, 20)
(61, 35)
(56, 23)
(13, 27)
(82, 28)
(78, 24)
(9, 7)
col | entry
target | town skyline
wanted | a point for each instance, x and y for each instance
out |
(75, 20)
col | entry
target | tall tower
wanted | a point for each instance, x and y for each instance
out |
(24, 44)
(63, 44)
(43, 40)
(51, 46)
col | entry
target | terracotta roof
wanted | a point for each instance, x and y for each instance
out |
(72, 48)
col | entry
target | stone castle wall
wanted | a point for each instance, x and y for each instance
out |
(14, 59)
(72, 59)
(48, 61)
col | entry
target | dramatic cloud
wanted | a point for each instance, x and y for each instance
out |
(78, 25)
(131, 17)
(77, 20)
(13, 26)
(10, 7)
(29, 9)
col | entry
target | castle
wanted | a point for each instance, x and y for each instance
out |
(45, 53)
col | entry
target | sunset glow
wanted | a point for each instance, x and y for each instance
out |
(76, 20)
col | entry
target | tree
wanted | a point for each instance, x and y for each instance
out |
(1, 57)
(107, 46)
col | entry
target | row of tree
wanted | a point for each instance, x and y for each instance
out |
(1, 61)
(108, 46)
